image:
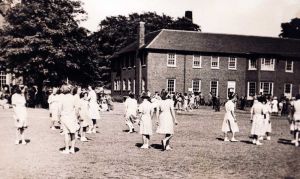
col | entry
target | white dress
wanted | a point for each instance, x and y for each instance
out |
(146, 123)
(229, 124)
(267, 122)
(20, 113)
(68, 114)
(258, 119)
(94, 107)
(83, 110)
(54, 104)
(131, 107)
(274, 105)
(166, 124)
(297, 114)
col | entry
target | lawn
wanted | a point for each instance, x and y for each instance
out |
(198, 150)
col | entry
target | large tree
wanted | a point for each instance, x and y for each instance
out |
(291, 29)
(118, 31)
(44, 42)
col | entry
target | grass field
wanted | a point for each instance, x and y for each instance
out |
(198, 150)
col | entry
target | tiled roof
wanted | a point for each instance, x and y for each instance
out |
(219, 43)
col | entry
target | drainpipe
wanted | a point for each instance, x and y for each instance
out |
(184, 73)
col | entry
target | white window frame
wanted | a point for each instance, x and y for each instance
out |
(143, 85)
(200, 61)
(265, 67)
(235, 63)
(199, 83)
(211, 62)
(3, 79)
(168, 84)
(217, 91)
(292, 66)
(288, 95)
(168, 58)
(124, 85)
(133, 89)
(250, 67)
(261, 87)
(129, 85)
(248, 90)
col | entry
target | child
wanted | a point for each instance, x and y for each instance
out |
(130, 112)
(83, 112)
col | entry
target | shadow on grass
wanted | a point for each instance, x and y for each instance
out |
(127, 131)
(138, 145)
(156, 146)
(57, 127)
(63, 148)
(246, 142)
(220, 139)
(285, 141)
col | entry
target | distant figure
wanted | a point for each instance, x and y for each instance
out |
(230, 122)
(267, 120)
(297, 118)
(54, 103)
(243, 103)
(274, 105)
(217, 104)
(20, 114)
(93, 108)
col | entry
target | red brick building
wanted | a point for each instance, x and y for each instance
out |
(185, 61)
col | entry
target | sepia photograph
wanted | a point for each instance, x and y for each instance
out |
(139, 89)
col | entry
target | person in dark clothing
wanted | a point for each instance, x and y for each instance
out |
(217, 104)
(243, 103)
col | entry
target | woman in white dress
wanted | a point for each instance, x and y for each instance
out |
(274, 106)
(94, 109)
(54, 104)
(20, 114)
(84, 116)
(229, 122)
(296, 104)
(146, 110)
(68, 119)
(131, 108)
(167, 120)
(267, 121)
(257, 120)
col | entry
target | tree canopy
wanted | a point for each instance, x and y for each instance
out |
(44, 42)
(291, 29)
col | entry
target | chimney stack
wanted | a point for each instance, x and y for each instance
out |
(141, 34)
(189, 15)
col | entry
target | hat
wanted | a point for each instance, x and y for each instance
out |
(66, 88)
(145, 96)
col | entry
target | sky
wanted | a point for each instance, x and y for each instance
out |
(244, 17)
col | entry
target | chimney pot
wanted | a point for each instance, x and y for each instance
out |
(189, 15)
(141, 34)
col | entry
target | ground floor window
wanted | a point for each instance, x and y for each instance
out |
(133, 89)
(171, 84)
(230, 88)
(196, 85)
(129, 85)
(143, 85)
(214, 87)
(124, 85)
(251, 89)
(266, 88)
(2, 79)
(288, 90)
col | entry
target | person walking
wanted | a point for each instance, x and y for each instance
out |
(296, 105)
(257, 120)
(94, 109)
(230, 122)
(167, 119)
(20, 114)
(146, 111)
(130, 112)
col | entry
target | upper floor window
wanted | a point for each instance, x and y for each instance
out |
(267, 64)
(252, 64)
(232, 63)
(289, 66)
(2, 79)
(197, 61)
(171, 60)
(215, 63)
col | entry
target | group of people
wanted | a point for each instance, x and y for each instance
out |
(261, 111)
(75, 110)
(162, 106)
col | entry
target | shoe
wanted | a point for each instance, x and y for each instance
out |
(65, 152)
(72, 151)
(53, 128)
(226, 139)
(268, 137)
(297, 144)
(17, 142)
(293, 141)
(83, 139)
(233, 140)
(144, 147)
(61, 133)
(24, 142)
(168, 148)
(94, 131)
(253, 141)
(261, 138)
(258, 143)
